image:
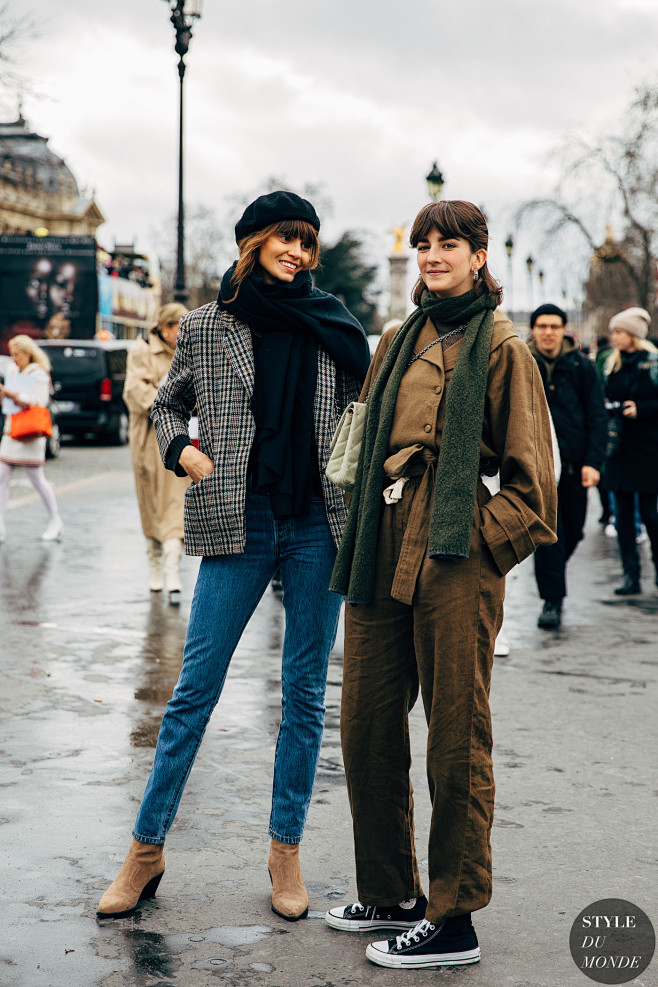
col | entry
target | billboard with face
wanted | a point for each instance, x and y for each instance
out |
(48, 287)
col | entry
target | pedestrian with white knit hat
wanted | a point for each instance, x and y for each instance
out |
(632, 467)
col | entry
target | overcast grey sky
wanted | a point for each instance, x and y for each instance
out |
(360, 97)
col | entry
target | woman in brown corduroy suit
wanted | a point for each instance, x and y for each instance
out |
(426, 617)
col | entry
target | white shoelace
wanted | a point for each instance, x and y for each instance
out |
(422, 929)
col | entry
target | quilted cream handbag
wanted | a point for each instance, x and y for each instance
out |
(346, 446)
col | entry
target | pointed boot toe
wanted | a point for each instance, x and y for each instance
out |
(289, 898)
(138, 879)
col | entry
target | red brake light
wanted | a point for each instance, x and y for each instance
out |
(106, 389)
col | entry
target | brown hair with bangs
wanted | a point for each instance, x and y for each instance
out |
(455, 218)
(250, 245)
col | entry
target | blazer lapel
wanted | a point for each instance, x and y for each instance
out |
(235, 338)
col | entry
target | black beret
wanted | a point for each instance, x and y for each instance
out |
(275, 207)
(548, 309)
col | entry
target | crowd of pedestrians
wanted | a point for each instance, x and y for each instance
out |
(605, 414)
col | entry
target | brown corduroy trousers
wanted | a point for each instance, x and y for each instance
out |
(443, 641)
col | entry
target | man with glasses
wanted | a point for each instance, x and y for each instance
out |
(575, 398)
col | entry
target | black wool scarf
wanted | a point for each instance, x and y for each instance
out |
(458, 465)
(290, 320)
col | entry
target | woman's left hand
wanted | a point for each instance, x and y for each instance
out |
(629, 409)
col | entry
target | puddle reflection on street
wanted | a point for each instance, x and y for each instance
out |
(162, 657)
(22, 578)
(149, 955)
(251, 700)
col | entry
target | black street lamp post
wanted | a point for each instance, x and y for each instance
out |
(530, 263)
(435, 182)
(509, 250)
(182, 12)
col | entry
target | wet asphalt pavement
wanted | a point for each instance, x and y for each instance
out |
(88, 661)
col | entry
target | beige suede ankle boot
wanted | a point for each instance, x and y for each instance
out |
(138, 879)
(289, 898)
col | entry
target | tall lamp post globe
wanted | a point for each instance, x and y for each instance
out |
(183, 13)
(435, 182)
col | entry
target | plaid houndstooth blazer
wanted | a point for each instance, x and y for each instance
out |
(213, 368)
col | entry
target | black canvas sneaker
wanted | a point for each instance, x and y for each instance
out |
(451, 943)
(365, 918)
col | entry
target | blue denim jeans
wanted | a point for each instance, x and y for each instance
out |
(227, 592)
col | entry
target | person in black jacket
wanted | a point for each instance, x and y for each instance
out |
(575, 398)
(632, 391)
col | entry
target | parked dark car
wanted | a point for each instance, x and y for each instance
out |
(53, 442)
(88, 377)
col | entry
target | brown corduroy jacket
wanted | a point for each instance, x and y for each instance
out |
(516, 436)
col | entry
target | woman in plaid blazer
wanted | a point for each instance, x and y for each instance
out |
(270, 366)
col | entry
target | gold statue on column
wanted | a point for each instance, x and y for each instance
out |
(398, 233)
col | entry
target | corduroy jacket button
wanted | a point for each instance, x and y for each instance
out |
(428, 428)
(437, 390)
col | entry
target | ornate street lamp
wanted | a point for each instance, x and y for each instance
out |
(182, 14)
(435, 182)
(540, 277)
(509, 250)
(530, 263)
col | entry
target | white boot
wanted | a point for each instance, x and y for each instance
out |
(173, 551)
(54, 529)
(154, 552)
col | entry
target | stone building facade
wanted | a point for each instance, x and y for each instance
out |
(38, 191)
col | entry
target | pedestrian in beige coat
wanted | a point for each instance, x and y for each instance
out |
(452, 395)
(160, 493)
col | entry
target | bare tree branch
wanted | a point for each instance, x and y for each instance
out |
(617, 175)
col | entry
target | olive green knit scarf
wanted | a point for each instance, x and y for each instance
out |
(459, 457)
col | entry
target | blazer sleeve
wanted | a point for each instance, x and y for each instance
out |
(523, 514)
(175, 400)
